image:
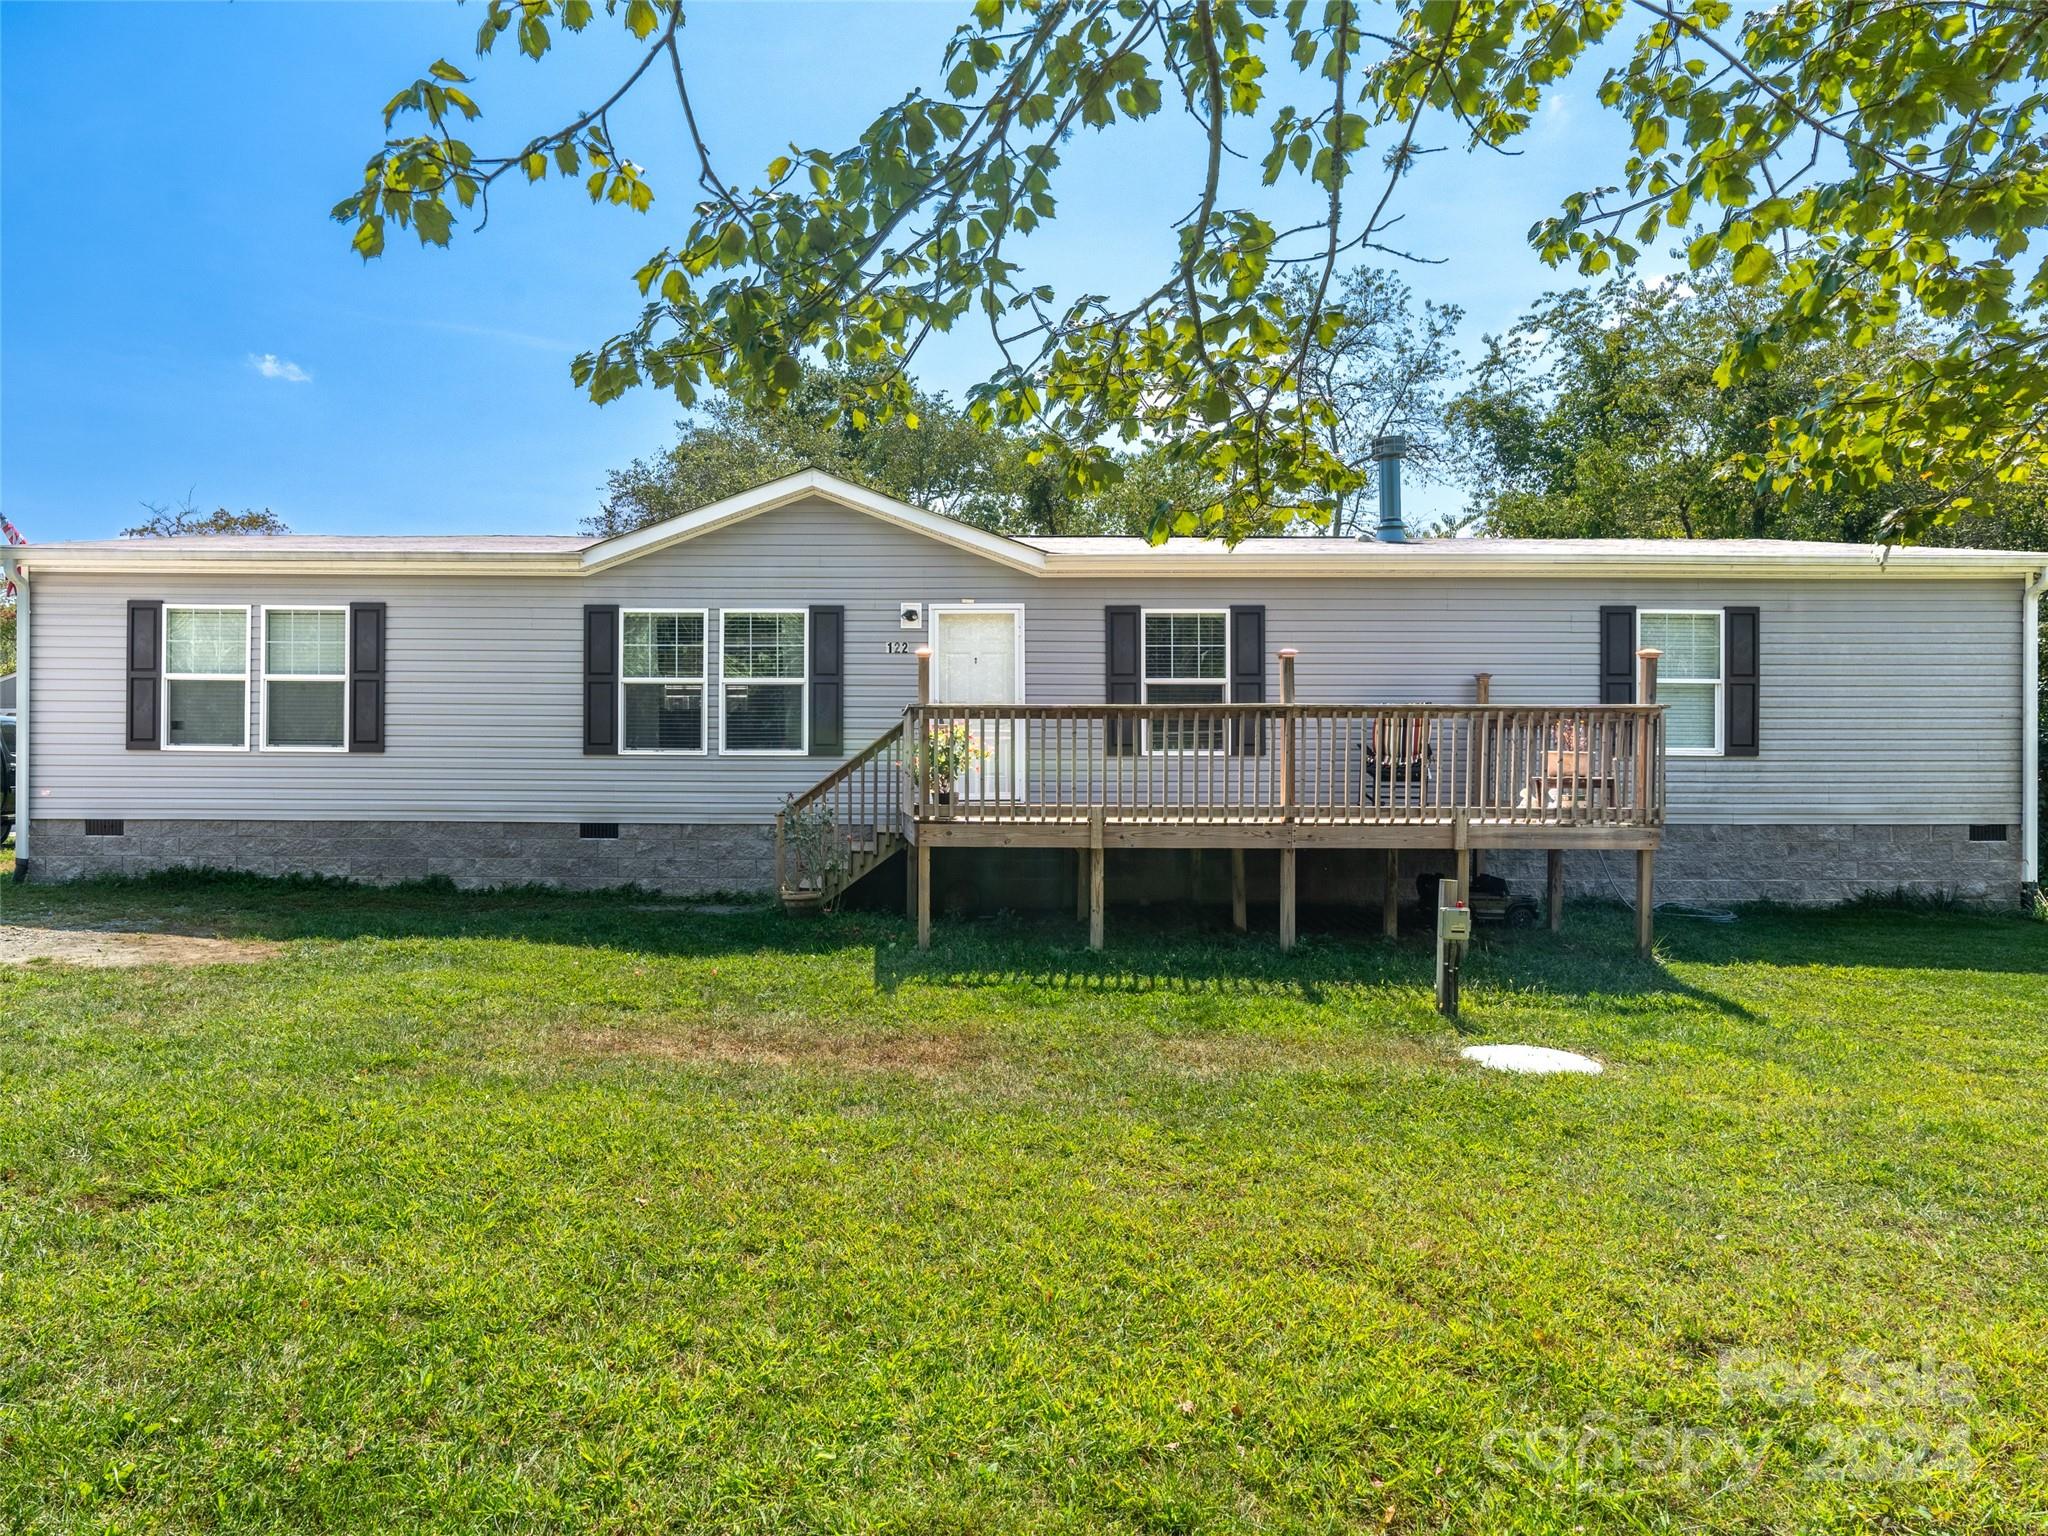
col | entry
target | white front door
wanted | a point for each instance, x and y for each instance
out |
(978, 658)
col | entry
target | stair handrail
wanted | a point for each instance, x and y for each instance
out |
(822, 790)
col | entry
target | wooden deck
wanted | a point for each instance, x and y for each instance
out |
(1281, 777)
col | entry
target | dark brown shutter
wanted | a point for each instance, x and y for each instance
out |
(600, 679)
(828, 681)
(366, 677)
(1248, 670)
(1617, 655)
(1744, 668)
(1124, 683)
(145, 674)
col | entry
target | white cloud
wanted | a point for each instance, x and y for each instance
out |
(271, 366)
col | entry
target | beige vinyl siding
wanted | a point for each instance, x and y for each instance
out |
(1888, 699)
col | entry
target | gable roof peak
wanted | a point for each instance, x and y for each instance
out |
(796, 487)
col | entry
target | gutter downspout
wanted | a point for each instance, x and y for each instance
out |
(2030, 730)
(11, 567)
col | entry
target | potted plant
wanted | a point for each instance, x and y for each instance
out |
(814, 856)
(939, 759)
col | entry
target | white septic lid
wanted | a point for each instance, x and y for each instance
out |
(1529, 1058)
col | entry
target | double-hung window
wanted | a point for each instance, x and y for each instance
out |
(1689, 677)
(305, 679)
(1186, 662)
(763, 686)
(662, 675)
(206, 678)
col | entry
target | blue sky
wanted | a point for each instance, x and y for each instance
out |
(178, 314)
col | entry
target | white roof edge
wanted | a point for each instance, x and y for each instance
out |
(154, 557)
(1505, 560)
(813, 482)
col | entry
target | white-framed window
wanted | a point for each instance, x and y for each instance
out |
(1690, 676)
(206, 677)
(661, 680)
(764, 681)
(305, 679)
(1187, 661)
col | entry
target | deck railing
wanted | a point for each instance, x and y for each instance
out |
(844, 825)
(1579, 765)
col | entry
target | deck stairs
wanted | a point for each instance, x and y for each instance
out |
(843, 828)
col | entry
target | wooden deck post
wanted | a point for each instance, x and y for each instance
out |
(1646, 899)
(1461, 841)
(1287, 897)
(1646, 762)
(1479, 744)
(924, 674)
(1095, 880)
(1555, 897)
(1390, 897)
(1237, 890)
(1286, 746)
(910, 881)
(1080, 885)
(923, 880)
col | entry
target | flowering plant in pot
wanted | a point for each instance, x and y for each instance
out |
(813, 853)
(940, 758)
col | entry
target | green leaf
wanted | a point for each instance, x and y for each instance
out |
(431, 218)
(640, 18)
(1752, 265)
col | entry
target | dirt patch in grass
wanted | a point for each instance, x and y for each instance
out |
(919, 1055)
(1228, 1055)
(118, 946)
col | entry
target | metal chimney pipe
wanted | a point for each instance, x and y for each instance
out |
(1387, 453)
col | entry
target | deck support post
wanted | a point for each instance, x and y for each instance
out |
(910, 881)
(1461, 840)
(1482, 693)
(922, 879)
(1286, 745)
(1646, 899)
(1390, 897)
(1554, 897)
(1095, 881)
(1237, 890)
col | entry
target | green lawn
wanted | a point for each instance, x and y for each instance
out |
(522, 1213)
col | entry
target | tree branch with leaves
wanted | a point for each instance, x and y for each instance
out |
(850, 258)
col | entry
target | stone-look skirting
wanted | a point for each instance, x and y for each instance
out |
(1813, 865)
(1804, 865)
(691, 859)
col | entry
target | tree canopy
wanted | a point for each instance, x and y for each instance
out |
(1860, 164)
(166, 522)
(1599, 415)
(932, 454)
(1384, 370)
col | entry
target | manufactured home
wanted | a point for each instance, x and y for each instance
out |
(811, 681)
